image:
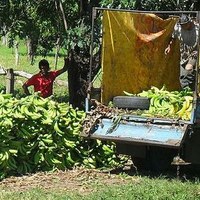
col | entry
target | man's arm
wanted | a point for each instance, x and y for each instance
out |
(65, 67)
(168, 49)
(25, 88)
(173, 37)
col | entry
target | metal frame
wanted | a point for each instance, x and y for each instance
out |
(94, 13)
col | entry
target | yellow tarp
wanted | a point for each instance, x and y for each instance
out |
(133, 57)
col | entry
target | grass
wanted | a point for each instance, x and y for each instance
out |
(148, 188)
(137, 188)
(7, 60)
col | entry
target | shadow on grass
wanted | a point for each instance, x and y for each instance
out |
(182, 173)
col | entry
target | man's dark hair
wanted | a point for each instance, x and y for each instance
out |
(43, 62)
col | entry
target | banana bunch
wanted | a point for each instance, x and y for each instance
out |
(7, 159)
(170, 104)
(54, 160)
(4, 157)
(41, 134)
(187, 106)
(24, 167)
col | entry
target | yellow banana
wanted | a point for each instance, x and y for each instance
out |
(7, 155)
(7, 122)
(107, 150)
(176, 107)
(69, 143)
(4, 156)
(52, 113)
(128, 93)
(39, 101)
(33, 115)
(152, 100)
(189, 109)
(17, 114)
(72, 113)
(188, 100)
(182, 110)
(187, 115)
(13, 151)
(172, 110)
(6, 96)
(47, 121)
(143, 94)
(47, 141)
(69, 158)
(56, 128)
(1, 156)
(157, 102)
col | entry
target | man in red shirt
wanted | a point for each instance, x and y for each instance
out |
(43, 81)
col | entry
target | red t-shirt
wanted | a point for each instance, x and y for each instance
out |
(41, 83)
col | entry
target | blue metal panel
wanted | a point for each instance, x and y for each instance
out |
(156, 134)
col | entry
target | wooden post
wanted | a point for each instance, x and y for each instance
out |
(10, 81)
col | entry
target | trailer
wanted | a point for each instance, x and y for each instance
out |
(132, 47)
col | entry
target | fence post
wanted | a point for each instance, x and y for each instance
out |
(10, 81)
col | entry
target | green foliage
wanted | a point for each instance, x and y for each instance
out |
(76, 35)
(167, 5)
(162, 5)
(34, 19)
(124, 4)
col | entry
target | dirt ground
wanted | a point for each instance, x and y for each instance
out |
(77, 179)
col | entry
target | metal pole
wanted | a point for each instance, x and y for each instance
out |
(143, 11)
(198, 64)
(91, 59)
(197, 75)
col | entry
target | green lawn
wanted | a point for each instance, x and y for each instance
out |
(126, 188)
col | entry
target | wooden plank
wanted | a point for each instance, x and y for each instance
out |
(2, 71)
(22, 74)
(10, 81)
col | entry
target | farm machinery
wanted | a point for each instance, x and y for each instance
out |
(139, 103)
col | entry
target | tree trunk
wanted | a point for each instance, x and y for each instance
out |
(16, 46)
(78, 76)
(79, 66)
(77, 81)
(4, 40)
(138, 5)
(28, 45)
(83, 7)
(63, 15)
(4, 36)
(56, 52)
(31, 48)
